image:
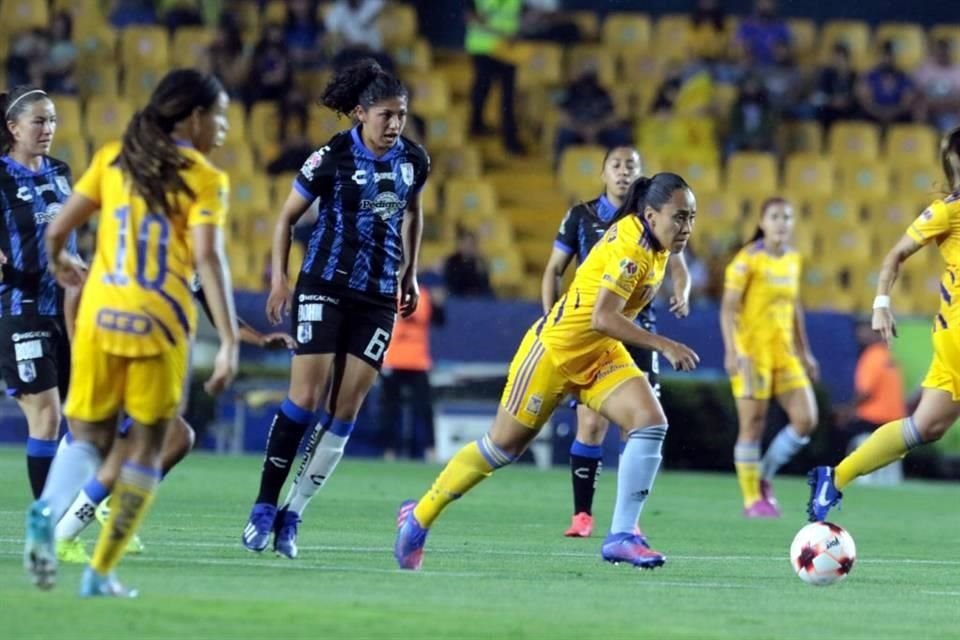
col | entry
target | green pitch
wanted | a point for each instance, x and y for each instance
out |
(497, 566)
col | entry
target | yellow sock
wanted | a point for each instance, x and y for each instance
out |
(472, 464)
(888, 443)
(746, 459)
(132, 497)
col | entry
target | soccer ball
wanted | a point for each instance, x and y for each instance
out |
(822, 553)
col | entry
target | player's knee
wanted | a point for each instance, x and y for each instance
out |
(931, 430)
(805, 424)
(348, 406)
(305, 396)
(591, 430)
(644, 418)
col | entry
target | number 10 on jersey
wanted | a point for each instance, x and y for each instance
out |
(152, 238)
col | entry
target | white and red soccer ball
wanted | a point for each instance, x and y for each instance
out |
(822, 553)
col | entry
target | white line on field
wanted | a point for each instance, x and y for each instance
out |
(953, 594)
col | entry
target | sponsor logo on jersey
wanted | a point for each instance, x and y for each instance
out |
(628, 267)
(310, 166)
(312, 297)
(29, 350)
(311, 312)
(30, 335)
(386, 205)
(48, 214)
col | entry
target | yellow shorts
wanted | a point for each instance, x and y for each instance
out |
(148, 388)
(535, 385)
(766, 375)
(944, 372)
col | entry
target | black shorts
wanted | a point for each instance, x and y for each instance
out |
(34, 354)
(332, 320)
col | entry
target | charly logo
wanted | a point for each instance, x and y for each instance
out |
(25, 194)
(386, 205)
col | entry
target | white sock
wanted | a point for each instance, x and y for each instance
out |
(315, 470)
(71, 469)
(785, 445)
(77, 518)
(639, 463)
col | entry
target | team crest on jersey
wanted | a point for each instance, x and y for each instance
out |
(628, 267)
(27, 370)
(927, 214)
(406, 172)
(534, 405)
(304, 332)
(62, 184)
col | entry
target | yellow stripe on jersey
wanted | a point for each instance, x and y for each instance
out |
(137, 293)
(628, 262)
(771, 286)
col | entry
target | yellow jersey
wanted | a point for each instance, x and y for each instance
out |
(770, 288)
(137, 294)
(629, 262)
(940, 222)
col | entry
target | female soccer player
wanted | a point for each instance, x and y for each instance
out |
(767, 354)
(35, 351)
(361, 257)
(579, 348)
(582, 227)
(939, 404)
(164, 206)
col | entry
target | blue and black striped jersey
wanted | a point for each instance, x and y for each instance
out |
(28, 201)
(356, 241)
(582, 227)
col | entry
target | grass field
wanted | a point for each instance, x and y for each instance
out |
(496, 565)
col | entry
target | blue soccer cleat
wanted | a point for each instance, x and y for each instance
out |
(824, 495)
(94, 585)
(256, 535)
(408, 548)
(285, 533)
(39, 553)
(632, 548)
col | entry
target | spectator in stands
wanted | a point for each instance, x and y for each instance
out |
(302, 33)
(886, 93)
(26, 58)
(353, 30)
(465, 272)
(759, 35)
(938, 82)
(180, 13)
(491, 26)
(835, 97)
(785, 83)
(878, 390)
(271, 74)
(127, 13)
(405, 393)
(226, 57)
(708, 39)
(295, 144)
(753, 119)
(587, 116)
(542, 20)
(61, 56)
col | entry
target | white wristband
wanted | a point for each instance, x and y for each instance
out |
(881, 302)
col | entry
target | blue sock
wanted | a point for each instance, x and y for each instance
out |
(95, 490)
(39, 458)
(638, 469)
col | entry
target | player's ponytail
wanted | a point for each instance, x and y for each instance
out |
(12, 104)
(149, 155)
(363, 83)
(950, 158)
(649, 192)
(758, 233)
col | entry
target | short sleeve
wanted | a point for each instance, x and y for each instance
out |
(211, 202)
(627, 264)
(424, 170)
(567, 235)
(934, 221)
(89, 185)
(316, 175)
(737, 275)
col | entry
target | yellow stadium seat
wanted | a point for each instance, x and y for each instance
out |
(525, 188)
(100, 81)
(922, 181)
(671, 36)
(801, 135)
(144, 46)
(592, 57)
(529, 223)
(139, 82)
(506, 272)
(462, 162)
(263, 123)
(281, 185)
(237, 117)
(429, 200)
(909, 42)
(949, 32)
(398, 24)
(818, 286)
(95, 48)
(458, 73)
(889, 219)
(542, 65)
(854, 33)
(494, 233)
(415, 56)
(463, 198)
(853, 138)
(864, 178)
(587, 22)
(834, 213)
(87, 15)
(535, 253)
(190, 44)
(73, 151)
(810, 174)
(701, 173)
(641, 69)
(752, 173)
(580, 169)
(69, 118)
(803, 38)
(22, 15)
(275, 12)
(250, 196)
(430, 95)
(323, 124)
(631, 31)
(718, 222)
(850, 244)
(106, 119)
(911, 143)
(235, 157)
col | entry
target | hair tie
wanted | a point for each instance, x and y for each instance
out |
(19, 98)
